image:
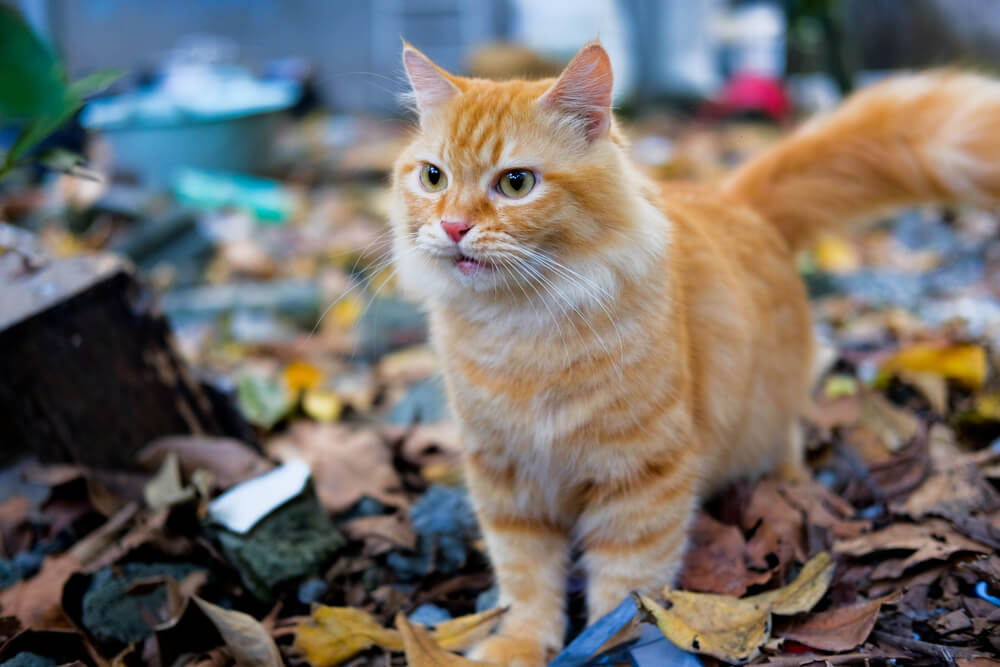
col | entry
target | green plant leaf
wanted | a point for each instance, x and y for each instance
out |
(34, 132)
(32, 83)
(94, 83)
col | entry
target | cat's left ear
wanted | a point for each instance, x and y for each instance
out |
(432, 86)
(583, 90)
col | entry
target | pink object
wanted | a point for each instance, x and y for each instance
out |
(455, 230)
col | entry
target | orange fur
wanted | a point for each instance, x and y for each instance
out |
(629, 348)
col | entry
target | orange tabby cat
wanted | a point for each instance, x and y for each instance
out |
(613, 350)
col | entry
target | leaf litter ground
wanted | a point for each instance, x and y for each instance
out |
(890, 554)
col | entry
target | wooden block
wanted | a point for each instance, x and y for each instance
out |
(89, 371)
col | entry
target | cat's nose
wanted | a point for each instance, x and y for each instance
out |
(455, 230)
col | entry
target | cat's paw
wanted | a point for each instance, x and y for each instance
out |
(511, 652)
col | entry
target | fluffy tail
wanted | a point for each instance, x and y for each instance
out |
(932, 137)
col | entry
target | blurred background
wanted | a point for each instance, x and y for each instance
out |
(236, 154)
(193, 244)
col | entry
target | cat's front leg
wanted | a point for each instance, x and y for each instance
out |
(634, 533)
(529, 555)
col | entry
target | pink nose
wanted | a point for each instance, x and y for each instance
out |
(455, 230)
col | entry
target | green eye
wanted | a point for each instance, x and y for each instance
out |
(432, 178)
(516, 183)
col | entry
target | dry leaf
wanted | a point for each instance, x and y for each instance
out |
(247, 640)
(302, 376)
(464, 632)
(37, 601)
(321, 405)
(959, 490)
(932, 540)
(724, 627)
(346, 465)
(964, 363)
(165, 488)
(893, 427)
(730, 628)
(803, 592)
(334, 634)
(230, 461)
(422, 651)
(714, 560)
(385, 532)
(777, 528)
(839, 629)
(934, 387)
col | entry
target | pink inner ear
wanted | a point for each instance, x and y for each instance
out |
(430, 86)
(584, 90)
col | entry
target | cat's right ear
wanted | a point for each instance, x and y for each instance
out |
(583, 91)
(431, 85)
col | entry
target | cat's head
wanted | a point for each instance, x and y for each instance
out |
(515, 189)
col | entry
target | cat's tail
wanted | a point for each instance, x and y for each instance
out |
(932, 137)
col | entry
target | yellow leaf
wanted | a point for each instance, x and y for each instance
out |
(302, 376)
(347, 311)
(836, 255)
(734, 629)
(804, 592)
(965, 363)
(839, 386)
(463, 632)
(423, 651)
(337, 633)
(334, 634)
(721, 626)
(323, 406)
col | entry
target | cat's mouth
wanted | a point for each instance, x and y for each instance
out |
(469, 265)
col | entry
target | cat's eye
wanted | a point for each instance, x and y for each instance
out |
(432, 178)
(516, 183)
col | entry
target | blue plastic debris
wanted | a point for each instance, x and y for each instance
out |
(982, 592)
(653, 649)
(429, 614)
(488, 599)
(587, 643)
(445, 523)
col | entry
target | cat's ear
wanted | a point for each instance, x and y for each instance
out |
(583, 90)
(432, 86)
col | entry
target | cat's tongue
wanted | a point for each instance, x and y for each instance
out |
(467, 265)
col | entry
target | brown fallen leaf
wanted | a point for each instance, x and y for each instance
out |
(714, 561)
(422, 651)
(247, 640)
(882, 429)
(933, 539)
(839, 629)
(777, 528)
(956, 490)
(230, 461)
(823, 508)
(382, 533)
(36, 602)
(346, 464)
(431, 444)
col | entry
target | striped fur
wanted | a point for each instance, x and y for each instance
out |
(632, 348)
